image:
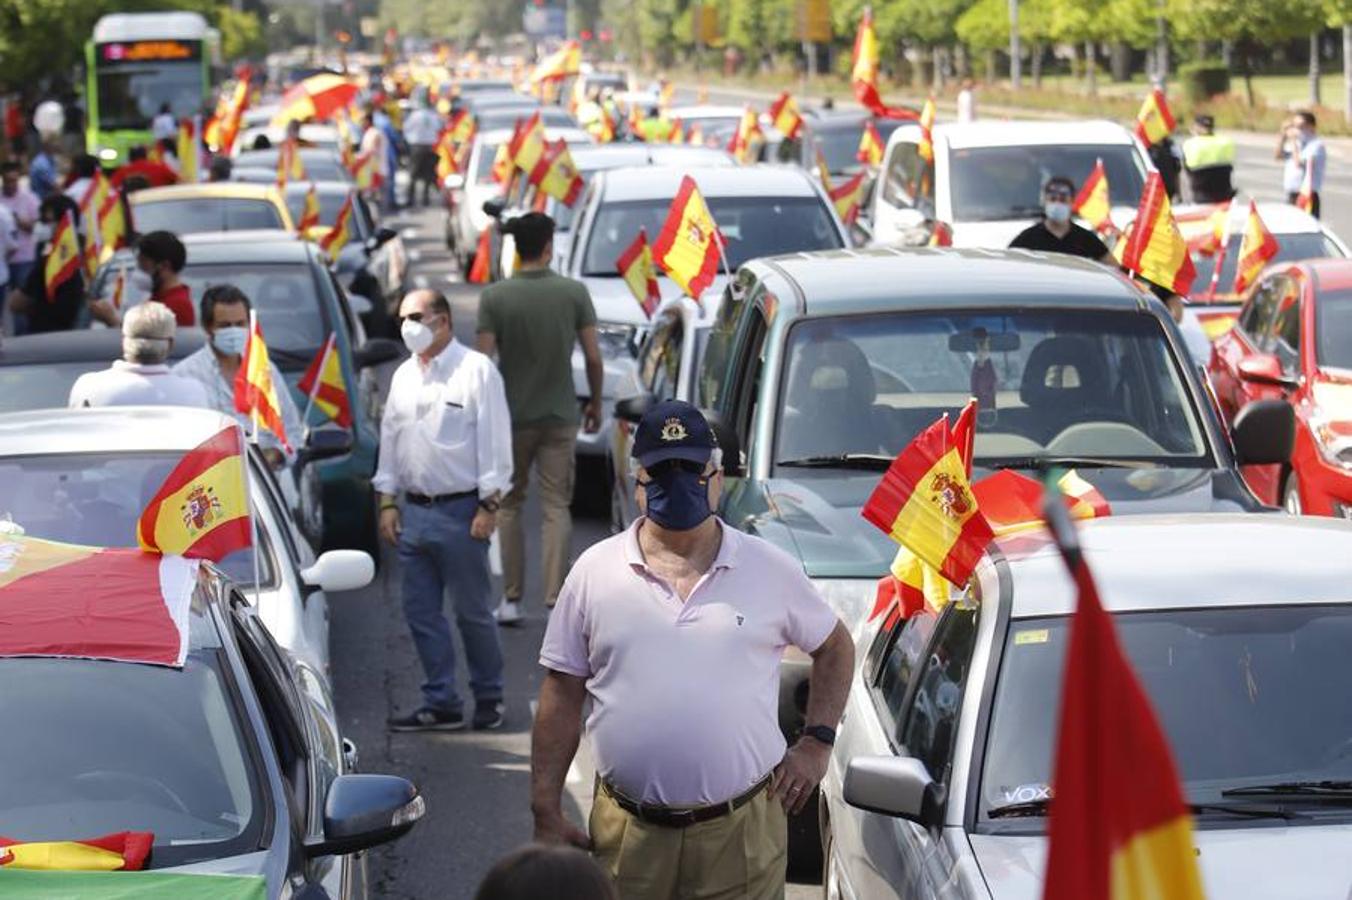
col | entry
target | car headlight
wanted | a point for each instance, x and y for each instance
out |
(1333, 438)
(849, 598)
(616, 340)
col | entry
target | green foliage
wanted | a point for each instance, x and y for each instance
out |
(1204, 79)
(241, 34)
(1256, 24)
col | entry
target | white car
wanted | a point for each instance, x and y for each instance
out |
(466, 191)
(942, 771)
(760, 210)
(719, 123)
(987, 178)
(83, 476)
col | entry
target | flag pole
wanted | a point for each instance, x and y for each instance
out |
(254, 547)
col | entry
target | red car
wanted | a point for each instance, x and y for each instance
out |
(1293, 341)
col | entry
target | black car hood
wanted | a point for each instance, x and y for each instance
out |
(819, 511)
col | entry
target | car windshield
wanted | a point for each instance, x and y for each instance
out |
(320, 165)
(40, 385)
(1290, 248)
(752, 226)
(483, 173)
(1083, 383)
(840, 144)
(196, 215)
(107, 747)
(1232, 688)
(286, 298)
(994, 183)
(95, 499)
(329, 205)
(1333, 324)
(130, 94)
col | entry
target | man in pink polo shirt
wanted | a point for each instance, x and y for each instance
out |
(674, 630)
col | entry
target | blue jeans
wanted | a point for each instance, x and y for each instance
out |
(436, 552)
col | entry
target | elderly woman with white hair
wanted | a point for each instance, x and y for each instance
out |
(142, 376)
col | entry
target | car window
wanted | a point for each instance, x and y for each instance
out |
(748, 383)
(1257, 318)
(295, 322)
(652, 359)
(1333, 330)
(271, 677)
(995, 183)
(910, 179)
(932, 719)
(1284, 341)
(1290, 248)
(901, 662)
(330, 204)
(207, 214)
(714, 366)
(667, 364)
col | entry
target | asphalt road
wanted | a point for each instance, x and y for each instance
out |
(476, 784)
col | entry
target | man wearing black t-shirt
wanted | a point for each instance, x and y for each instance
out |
(1056, 233)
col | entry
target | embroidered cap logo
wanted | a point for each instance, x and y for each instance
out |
(674, 430)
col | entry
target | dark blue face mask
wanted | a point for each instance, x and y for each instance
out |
(678, 496)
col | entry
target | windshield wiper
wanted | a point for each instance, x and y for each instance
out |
(1025, 808)
(1040, 808)
(1081, 462)
(870, 461)
(1319, 790)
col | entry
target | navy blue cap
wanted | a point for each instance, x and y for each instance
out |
(673, 429)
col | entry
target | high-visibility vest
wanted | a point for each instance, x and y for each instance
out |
(1206, 150)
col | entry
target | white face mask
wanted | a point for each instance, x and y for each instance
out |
(417, 336)
(1057, 211)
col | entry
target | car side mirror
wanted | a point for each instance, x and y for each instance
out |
(364, 811)
(340, 570)
(325, 443)
(633, 409)
(1264, 368)
(1264, 433)
(494, 207)
(453, 182)
(729, 441)
(898, 786)
(377, 351)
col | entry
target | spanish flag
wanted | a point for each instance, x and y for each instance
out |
(125, 851)
(1120, 828)
(323, 383)
(63, 256)
(1305, 196)
(1013, 502)
(695, 137)
(747, 139)
(461, 128)
(255, 392)
(602, 128)
(925, 503)
(480, 269)
(847, 197)
(93, 198)
(1154, 122)
(640, 275)
(309, 215)
(239, 102)
(823, 171)
(89, 259)
(528, 144)
(942, 235)
(864, 72)
(1256, 249)
(341, 232)
(289, 165)
(786, 117)
(1093, 203)
(364, 171)
(556, 175)
(563, 62)
(201, 511)
(1153, 247)
(187, 151)
(689, 245)
(502, 160)
(676, 131)
(926, 146)
(112, 221)
(871, 147)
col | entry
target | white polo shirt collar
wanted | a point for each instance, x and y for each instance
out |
(727, 548)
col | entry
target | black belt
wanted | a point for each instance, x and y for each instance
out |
(669, 817)
(424, 500)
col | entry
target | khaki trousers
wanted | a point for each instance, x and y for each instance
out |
(740, 856)
(549, 449)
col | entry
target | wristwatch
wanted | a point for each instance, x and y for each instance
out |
(823, 733)
(489, 505)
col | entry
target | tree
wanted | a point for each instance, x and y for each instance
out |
(1338, 14)
(1250, 25)
(241, 34)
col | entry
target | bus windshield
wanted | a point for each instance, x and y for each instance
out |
(131, 94)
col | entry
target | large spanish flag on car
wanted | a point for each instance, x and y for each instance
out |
(123, 851)
(1153, 248)
(1154, 121)
(91, 603)
(1094, 203)
(925, 503)
(688, 246)
(864, 71)
(20, 884)
(255, 392)
(1256, 250)
(1120, 829)
(63, 256)
(323, 383)
(528, 144)
(201, 511)
(556, 175)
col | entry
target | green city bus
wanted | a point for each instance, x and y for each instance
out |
(135, 63)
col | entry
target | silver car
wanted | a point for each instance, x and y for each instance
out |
(1238, 627)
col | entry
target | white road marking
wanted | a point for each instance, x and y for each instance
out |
(411, 233)
(509, 767)
(415, 255)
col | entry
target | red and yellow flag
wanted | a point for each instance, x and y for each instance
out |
(695, 136)
(341, 232)
(689, 247)
(201, 511)
(112, 224)
(640, 275)
(187, 151)
(676, 131)
(602, 128)
(125, 851)
(462, 127)
(1012, 502)
(1093, 203)
(119, 289)
(527, 146)
(480, 269)
(1154, 122)
(1256, 249)
(871, 146)
(364, 169)
(926, 145)
(234, 115)
(93, 198)
(786, 117)
(1120, 828)
(556, 175)
(942, 235)
(747, 139)
(255, 391)
(63, 256)
(324, 384)
(925, 503)
(1153, 248)
(864, 72)
(503, 166)
(847, 197)
(289, 165)
(563, 62)
(89, 258)
(1305, 196)
(309, 214)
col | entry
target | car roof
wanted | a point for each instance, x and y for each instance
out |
(885, 278)
(552, 133)
(260, 247)
(638, 153)
(93, 345)
(211, 190)
(107, 429)
(1001, 133)
(1280, 218)
(658, 182)
(321, 187)
(1187, 562)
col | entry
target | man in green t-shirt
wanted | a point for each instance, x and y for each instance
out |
(531, 321)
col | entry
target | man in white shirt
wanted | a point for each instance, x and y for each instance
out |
(422, 130)
(164, 126)
(446, 446)
(373, 146)
(141, 377)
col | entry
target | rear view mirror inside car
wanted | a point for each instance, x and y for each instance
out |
(969, 341)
